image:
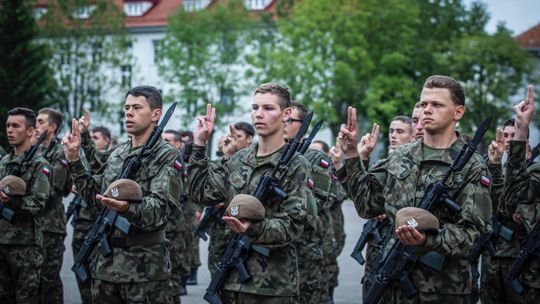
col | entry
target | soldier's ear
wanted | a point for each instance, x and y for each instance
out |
(156, 114)
(460, 110)
(287, 112)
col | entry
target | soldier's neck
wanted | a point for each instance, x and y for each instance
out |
(139, 140)
(23, 147)
(441, 140)
(47, 141)
(270, 144)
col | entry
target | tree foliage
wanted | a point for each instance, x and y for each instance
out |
(25, 76)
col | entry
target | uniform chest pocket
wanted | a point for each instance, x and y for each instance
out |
(237, 181)
(399, 188)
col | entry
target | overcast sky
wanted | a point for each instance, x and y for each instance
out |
(519, 15)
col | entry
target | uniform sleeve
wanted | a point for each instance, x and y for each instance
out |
(457, 237)
(38, 194)
(164, 193)
(287, 225)
(497, 185)
(365, 187)
(87, 184)
(206, 184)
(96, 159)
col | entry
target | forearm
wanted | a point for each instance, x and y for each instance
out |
(205, 186)
(87, 186)
(364, 189)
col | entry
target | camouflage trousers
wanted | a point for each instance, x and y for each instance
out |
(395, 295)
(20, 273)
(492, 286)
(333, 272)
(179, 265)
(217, 244)
(153, 292)
(230, 297)
(79, 232)
(194, 250)
(310, 282)
(51, 288)
(372, 253)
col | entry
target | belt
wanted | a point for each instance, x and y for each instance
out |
(143, 239)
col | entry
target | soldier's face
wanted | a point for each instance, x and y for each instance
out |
(508, 135)
(139, 116)
(418, 128)
(400, 133)
(169, 138)
(100, 141)
(42, 125)
(242, 139)
(440, 112)
(17, 130)
(291, 126)
(267, 116)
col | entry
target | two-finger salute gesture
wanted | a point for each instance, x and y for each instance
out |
(72, 142)
(205, 126)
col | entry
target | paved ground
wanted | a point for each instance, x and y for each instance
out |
(348, 291)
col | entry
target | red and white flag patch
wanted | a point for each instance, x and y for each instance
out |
(64, 163)
(46, 171)
(324, 163)
(310, 183)
(484, 180)
(177, 165)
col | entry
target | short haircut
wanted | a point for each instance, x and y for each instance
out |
(152, 95)
(324, 145)
(404, 119)
(29, 115)
(53, 116)
(176, 134)
(457, 93)
(106, 133)
(511, 122)
(246, 127)
(302, 110)
(278, 90)
(188, 134)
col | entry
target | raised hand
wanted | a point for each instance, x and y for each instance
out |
(337, 157)
(524, 111)
(230, 145)
(84, 122)
(205, 126)
(368, 142)
(72, 142)
(496, 148)
(348, 135)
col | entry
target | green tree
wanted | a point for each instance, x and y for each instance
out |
(91, 54)
(25, 77)
(201, 57)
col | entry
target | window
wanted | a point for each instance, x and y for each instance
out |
(256, 4)
(126, 76)
(139, 8)
(84, 12)
(195, 5)
(157, 50)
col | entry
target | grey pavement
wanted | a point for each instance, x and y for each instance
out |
(349, 290)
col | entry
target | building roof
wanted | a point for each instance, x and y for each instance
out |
(530, 39)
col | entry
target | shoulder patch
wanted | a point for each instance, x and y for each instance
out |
(177, 165)
(63, 162)
(484, 180)
(324, 163)
(310, 183)
(46, 171)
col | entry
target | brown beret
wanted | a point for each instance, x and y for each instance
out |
(124, 190)
(13, 185)
(419, 218)
(245, 206)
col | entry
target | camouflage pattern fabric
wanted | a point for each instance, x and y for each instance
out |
(193, 242)
(373, 257)
(522, 196)
(338, 195)
(247, 298)
(175, 233)
(96, 158)
(217, 243)
(20, 241)
(79, 232)
(395, 295)
(492, 286)
(277, 274)
(161, 181)
(400, 181)
(155, 292)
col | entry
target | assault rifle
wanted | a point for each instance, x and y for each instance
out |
(488, 240)
(401, 259)
(529, 249)
(108, 219)
(74, 208)
(209, 214)
(371, 229)
(17, 170)
(240, 246)
(534, 153)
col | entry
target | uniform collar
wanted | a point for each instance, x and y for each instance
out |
(251, 157)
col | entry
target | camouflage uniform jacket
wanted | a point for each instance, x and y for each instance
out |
(522, 195)
(161, 181)
(54, 216)
(26, 228)
(96, 158)
(277, 274)
(400, 181)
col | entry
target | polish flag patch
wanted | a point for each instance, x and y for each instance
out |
(64, 163)
(177, 165)
(324, 163)
(484, 180)
(310, 183)
(46, 171)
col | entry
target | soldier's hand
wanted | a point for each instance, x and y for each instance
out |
(84, 122)
(337, 157)
(237, 225)
(4, 198)
(115, 205)
(205, 126)
(348, 135)
(410, 236)
(524, 111)
(72, 142)
(230, 145)
(496, 148)
(381, 217)
(368, 142)
(518, 218)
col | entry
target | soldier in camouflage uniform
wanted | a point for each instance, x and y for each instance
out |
(317, 241)
(521, 192)
(495, 266)
(400, 181)
(274, 278)
(53, 217)
(21, 240)
(2, 152)
(138, 270)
